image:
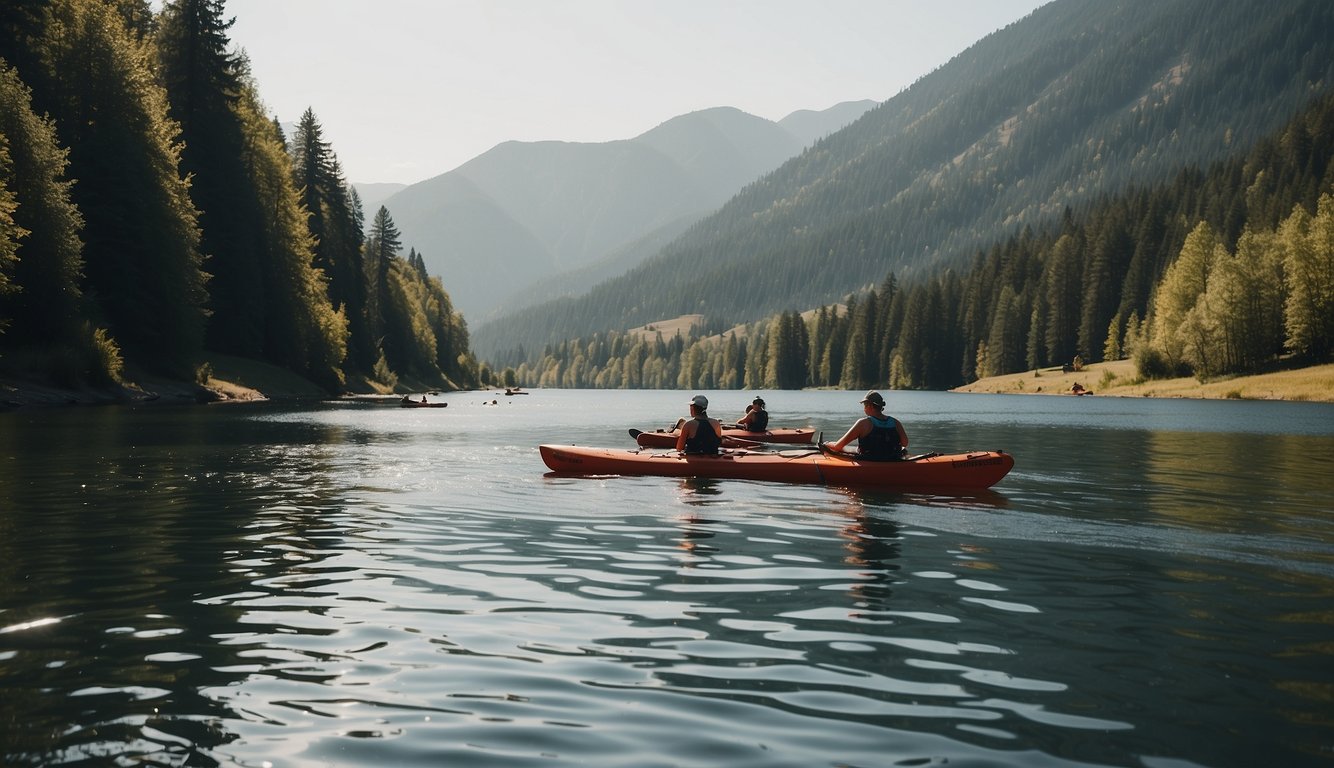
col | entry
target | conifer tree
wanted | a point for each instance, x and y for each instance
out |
(1062, 294)
(141, 253)
(1308, 248)
(10, 232)
(40, 248)
(383, 244)
(1180, 289)
(335, 221)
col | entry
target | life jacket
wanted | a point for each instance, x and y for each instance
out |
(705, 440)
(759, 421)
(882, 444)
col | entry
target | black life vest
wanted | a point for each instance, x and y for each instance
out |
(759, 421)
(882, 444)
(705, 440)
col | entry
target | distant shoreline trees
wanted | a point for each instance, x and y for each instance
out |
(1216, 273)
(158, 215)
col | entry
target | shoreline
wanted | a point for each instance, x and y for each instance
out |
(244, 381)
(1119, 378)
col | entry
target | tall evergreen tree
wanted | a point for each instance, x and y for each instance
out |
(203, 81)
(1062, 300)
(45, 256)
(1179, 291)
(383, 244)
(336, 223)
(302, 330)
(10, 232)
(1308, 248)
(141, 251)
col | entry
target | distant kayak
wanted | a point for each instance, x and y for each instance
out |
(665, 439)
(976, 469)
(410, 404)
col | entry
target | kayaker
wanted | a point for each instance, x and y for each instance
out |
(879, 437)
(756, 418)
(700, 434)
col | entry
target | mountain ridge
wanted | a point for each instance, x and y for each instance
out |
(566, 205)
(1078, 99)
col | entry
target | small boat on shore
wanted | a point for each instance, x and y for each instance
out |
(816, 465)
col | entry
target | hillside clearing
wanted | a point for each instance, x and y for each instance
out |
(1120, 379)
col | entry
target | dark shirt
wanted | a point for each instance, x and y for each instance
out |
(759, 421)
(882, 443)
(705, 440)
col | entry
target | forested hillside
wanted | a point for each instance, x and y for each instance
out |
(1215, 272)
(523, 212)
(151, 214)
(1077, 101)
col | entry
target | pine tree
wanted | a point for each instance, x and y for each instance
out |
(1308, 247)
(1179, 291)
(1062, 294)
(203, 82)
(141, 253)
(10, 232)
(335, 221)
(383, 244)
(40, 248)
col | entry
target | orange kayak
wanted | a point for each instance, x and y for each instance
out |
(977, 469)
(666, 439)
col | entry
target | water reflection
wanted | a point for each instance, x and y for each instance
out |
(366, 587)
(111, 601)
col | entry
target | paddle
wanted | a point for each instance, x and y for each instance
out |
(828, 451)
(727, 442)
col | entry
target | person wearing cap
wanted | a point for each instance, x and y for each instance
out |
(700, 434)
(879, 437)
(756, 418)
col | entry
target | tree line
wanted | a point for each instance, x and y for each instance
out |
(1221, 271)
(151, 213)
(1075, 102)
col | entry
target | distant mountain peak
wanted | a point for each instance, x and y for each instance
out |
(557, 206)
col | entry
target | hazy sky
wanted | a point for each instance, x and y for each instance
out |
(410, 89)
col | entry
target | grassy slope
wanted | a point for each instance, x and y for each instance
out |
(1119, 379)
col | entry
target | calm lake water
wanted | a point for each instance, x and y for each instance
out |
(358, 584)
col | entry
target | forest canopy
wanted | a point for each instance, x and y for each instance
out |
(152, 214)
(1229, 270)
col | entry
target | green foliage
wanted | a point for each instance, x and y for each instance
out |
(138, 104)
(301, 328)
(383, 374)
(1308, 259)
(141, 255)
(1222, 306)
(335, 223)
(10, 232)
(93, 359)
(40, 250)
(419, 331)
(106, 366)
(1066, 109)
